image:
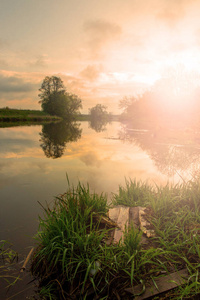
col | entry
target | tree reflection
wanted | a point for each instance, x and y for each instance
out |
(55, 136)
(98, 125)
(172, 151)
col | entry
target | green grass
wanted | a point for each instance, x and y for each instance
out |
(11, 117)
(73, 260)
(24, 115)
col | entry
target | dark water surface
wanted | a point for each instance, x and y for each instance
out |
(34, 161)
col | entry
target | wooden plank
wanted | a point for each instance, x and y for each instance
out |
(120, 215)
(123, 218)
(134, 216)
(159, 285)
(122, 222)
(113, 213)
(144, 224)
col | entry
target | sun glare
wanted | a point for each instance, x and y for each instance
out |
(176, 89)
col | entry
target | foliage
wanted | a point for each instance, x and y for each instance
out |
(50, 85)
(56, 101)
(133, 194)
(98, 112)
(99, 117)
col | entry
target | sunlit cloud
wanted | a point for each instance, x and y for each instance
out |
(173, 11)
(91, 72)
(100, 33)
(91, 159)
(39, 63)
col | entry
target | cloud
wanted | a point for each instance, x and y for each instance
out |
(91, 159)
(19, 90)
(40, 62)
(16, 145)
(10, 84)
(100, 33)
(91, 72)
(173, 11)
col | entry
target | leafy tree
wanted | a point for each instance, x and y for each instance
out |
(98, 112)
(56, 101)
(50, 85)
(99, 117)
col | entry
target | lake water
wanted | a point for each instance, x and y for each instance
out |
(34, 161)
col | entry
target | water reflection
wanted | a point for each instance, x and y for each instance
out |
(171, 150)
(98, 125)
(55, 136)
(103, 160)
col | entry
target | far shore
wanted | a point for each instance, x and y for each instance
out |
(26, 116)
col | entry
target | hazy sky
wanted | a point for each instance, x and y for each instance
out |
(102, 49)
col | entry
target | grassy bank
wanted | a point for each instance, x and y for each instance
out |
(8, 115)
(74, 261)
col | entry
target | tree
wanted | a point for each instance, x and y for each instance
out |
(99, 117)
(98, 112)
(56, 101)
(50, 85)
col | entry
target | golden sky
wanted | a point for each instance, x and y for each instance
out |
(102, 49)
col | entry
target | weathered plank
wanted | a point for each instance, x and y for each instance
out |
(134, 216)
(159, 285)
(124, 216)
(113, 213)
(144, 224)
(120, 215)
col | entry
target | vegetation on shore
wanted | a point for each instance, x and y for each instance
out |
(8, 115)
(56, 104)
(19, 117)
(74, 261)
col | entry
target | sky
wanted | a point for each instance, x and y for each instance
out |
(103, 50)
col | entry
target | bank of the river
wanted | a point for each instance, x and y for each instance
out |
(9, 115)
(12, 117)
(77, 259)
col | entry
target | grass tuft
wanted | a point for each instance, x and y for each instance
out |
(74, 261)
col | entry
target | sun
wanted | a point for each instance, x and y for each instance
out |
(177, 87)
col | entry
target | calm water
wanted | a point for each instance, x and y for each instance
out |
(34, 161)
